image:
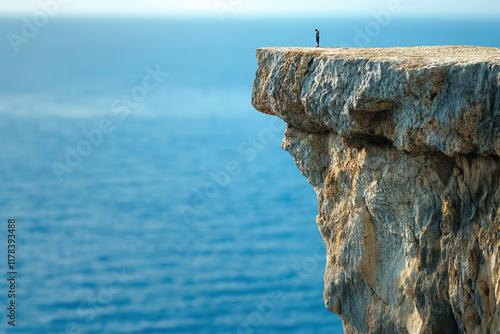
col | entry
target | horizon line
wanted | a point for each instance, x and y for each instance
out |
(266, 15)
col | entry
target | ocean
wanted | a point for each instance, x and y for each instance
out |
(149, 196)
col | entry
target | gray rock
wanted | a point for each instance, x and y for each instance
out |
(402, 147)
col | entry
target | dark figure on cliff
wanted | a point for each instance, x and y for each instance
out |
(317, 37)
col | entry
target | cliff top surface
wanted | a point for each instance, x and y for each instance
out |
(426, 98)
(414, 56)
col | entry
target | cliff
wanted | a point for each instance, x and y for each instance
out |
(402, 148)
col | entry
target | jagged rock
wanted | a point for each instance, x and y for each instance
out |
(402, 147)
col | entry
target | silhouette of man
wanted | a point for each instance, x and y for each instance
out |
(317, 37)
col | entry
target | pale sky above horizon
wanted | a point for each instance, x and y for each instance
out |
(210, 7)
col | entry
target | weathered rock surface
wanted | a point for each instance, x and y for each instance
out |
(402, 147)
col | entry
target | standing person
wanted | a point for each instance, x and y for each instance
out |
(317, 37)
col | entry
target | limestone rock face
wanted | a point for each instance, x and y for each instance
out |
(402, 148)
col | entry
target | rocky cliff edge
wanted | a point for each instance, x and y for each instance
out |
(402, 147)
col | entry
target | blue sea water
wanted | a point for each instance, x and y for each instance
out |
(185, 216)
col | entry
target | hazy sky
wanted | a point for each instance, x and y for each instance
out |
(208, 7)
